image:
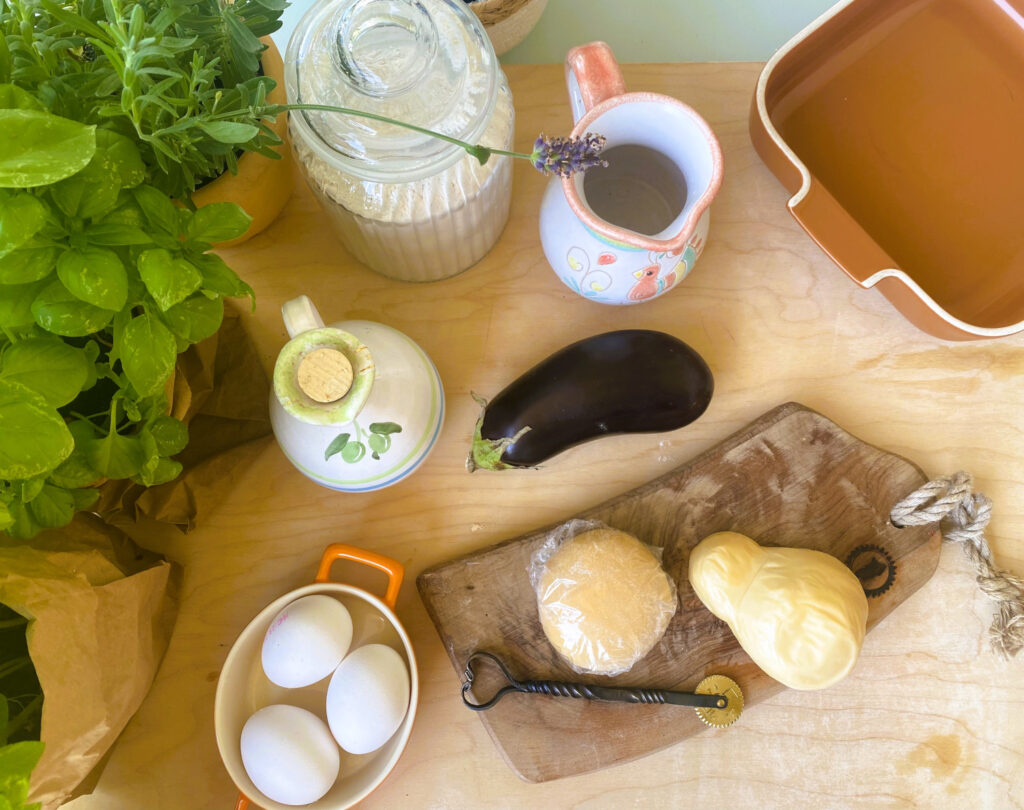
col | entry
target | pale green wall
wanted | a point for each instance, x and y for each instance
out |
(652, 30)
(668, 30)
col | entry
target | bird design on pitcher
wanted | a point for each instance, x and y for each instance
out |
(646, 285)
(649, 281)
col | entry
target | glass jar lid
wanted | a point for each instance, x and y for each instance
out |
(425, 62)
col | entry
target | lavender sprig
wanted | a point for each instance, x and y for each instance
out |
(561, 156)
(566, 156)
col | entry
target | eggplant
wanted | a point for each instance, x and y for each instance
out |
(630, 381)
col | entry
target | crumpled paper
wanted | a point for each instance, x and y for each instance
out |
(101, 608)
(101, 612)
(221, 392)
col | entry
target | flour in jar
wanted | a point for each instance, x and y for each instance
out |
(405, 204)
(417, 200)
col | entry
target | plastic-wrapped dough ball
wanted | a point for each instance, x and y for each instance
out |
(604, 601)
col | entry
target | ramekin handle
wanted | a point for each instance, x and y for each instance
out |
(338, 551)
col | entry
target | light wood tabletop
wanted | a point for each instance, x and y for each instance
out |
(929, 718)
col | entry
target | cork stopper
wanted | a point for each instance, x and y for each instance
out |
(324, 375)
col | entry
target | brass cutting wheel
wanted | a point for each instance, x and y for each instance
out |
(720, 685)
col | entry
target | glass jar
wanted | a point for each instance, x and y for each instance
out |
(407, 205)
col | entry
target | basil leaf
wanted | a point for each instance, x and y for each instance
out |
(148, 354)
(82, 430)
(114, 234)
(32, 487)
(16, 304)
(17, 761)
(75, 471)
(219, 278)
(23, 527)
(230, 131)
(158, 209)
(21, 217)
(121, 157)
(88, 194)
(115, 456)
(28, 264)
(169, 279)
(170, 435)
(165, 469)
(95, 190)
(55, 370)
(33, 437)
(218, 222)
(58, 311)
(132, 410)
(195, 318)
(53, 507)
(127, 212)
(13, 97)
(84, 497)
(37, 148)
(94, 275)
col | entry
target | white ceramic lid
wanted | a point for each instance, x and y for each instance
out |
(426, 62)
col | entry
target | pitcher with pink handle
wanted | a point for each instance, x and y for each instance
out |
(629, 232)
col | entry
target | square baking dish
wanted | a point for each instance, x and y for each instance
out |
(898, 128)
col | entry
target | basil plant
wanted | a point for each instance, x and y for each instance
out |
(103, 282)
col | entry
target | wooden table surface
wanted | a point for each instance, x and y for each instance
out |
(929, 718)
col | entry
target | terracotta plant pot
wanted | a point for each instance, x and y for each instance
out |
(507, 22)
(262, 186)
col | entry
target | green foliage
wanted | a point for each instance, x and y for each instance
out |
(21, 700)
(179, 77)
(16, 763)
(108, 109)
(40, 148)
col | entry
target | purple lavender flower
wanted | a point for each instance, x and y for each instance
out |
(566, 156)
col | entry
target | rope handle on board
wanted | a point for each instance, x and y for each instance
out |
(951, 497)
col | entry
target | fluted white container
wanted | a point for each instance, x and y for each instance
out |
(408, 206)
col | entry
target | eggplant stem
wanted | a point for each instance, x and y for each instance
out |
(485, 454)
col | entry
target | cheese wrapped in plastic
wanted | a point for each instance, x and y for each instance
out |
(800, 614)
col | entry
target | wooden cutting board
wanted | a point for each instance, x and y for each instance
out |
(792, 478)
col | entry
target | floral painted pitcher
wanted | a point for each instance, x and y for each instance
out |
(356, 406)
(631, 231)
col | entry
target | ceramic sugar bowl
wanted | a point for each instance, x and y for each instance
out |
(356, 406)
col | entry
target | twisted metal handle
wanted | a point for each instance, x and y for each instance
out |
(585, 692)
(582, 691)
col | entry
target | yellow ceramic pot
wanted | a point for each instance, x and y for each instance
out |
(262, 186)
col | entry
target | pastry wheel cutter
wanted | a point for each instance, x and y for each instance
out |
(717, 699)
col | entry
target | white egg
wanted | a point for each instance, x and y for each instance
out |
(367, 698)
(289, 754)
(306, 641)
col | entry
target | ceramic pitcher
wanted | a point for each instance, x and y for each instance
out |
(356, 406)
(662, 181)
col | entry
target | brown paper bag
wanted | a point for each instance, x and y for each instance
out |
(100, 612)
(221, 392)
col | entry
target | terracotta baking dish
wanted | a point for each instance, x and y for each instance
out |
(898, 127)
